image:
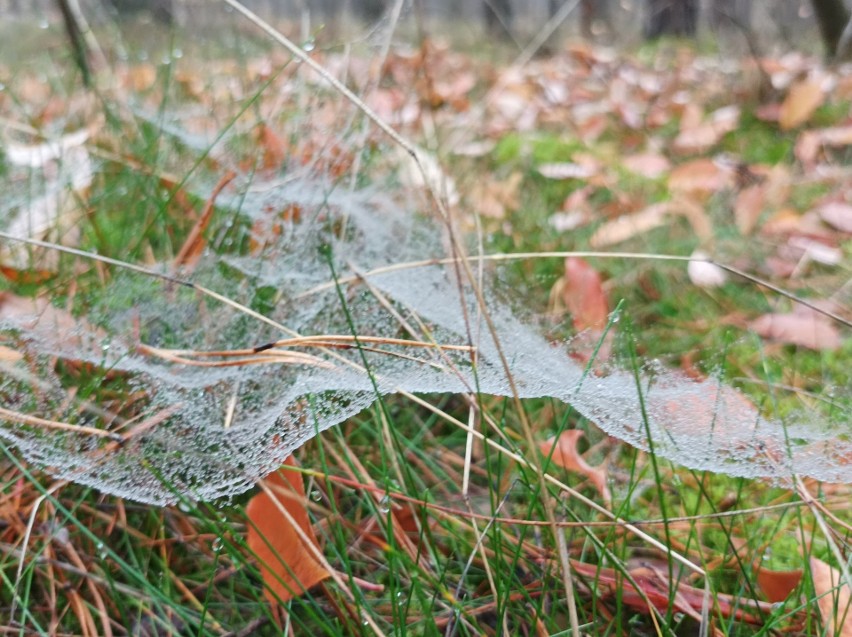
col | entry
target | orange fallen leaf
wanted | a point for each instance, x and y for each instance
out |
(273, 146)
(26, 277)
(288, 567)
(834, 599)
(584, 296)
(562, 451)
(777, 585)
(493, 198)
(193, 247)
(802, 100)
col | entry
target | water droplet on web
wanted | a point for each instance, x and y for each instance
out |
(309, 45)
(185, 506)
(316, 495)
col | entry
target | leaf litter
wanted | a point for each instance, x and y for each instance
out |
(215, 399)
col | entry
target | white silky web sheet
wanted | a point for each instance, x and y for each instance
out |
(701, 425)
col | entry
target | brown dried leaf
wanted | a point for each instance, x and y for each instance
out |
(700, 176)
(193, 247)
(748, 206)
(9, 355)
(806, 329)
(288, 567)
(565, 454)
(833, 598)
(628, 226)
(492, 198)
(802, 100)
(810, 142)
(700, 137)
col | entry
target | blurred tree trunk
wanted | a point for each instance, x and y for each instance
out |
(594, 14)
(370, 10)
(498, 17)
(161, 10)
(730, 14)
(671, 17)
(833, 19)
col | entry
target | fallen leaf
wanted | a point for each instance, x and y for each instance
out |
(288, 567)
(9, 355)
(816, 250)
(583, 295)
(648, 165)
(649, 584)
(810, 142)
(833, 599)
(809, 330)
(777, 585)
(493, 198)
(702, 136)
(141, 77)
(837, 215)
(628, 226)
(562, 451)
(700, 176)
(193, 247)
(748, 206)
(565, 221)
(566, 170)
(274, 147)
(39, 155)
(802, 100)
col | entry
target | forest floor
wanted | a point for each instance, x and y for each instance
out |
(604, 172)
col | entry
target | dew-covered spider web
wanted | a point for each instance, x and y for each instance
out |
(152, 389)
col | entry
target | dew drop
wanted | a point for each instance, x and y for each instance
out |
(309, 45)
(384, 504)
(316, 495)
(43, 24)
